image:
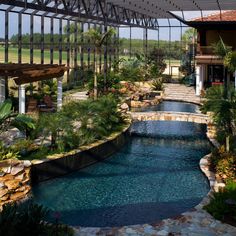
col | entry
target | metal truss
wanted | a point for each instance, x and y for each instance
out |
(98, 11)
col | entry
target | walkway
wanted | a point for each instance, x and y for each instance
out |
(77, 96)
(180, 92)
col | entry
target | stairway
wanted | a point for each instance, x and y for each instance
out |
(180, 92)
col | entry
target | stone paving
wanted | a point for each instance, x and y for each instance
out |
(180, 92)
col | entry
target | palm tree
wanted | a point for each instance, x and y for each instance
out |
(224, 110)
(98, 39)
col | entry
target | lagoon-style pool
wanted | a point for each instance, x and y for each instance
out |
(154, 176)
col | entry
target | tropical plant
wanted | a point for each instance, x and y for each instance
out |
(112, 82)
(156, 62)
(222, 205)
(54, 125)
(230, 61)
(158, 85)
(223, 108)
(8, 119)
(29, 219)
(99, 39)
(220, 48)
(7, 152)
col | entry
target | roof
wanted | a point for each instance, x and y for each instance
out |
(224, 16)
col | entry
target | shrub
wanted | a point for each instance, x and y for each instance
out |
(223, 203)
(7, 152)
(112, 82)
(158, 85)
(24, 147)
(29, 219)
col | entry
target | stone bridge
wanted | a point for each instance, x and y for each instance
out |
(171, 116)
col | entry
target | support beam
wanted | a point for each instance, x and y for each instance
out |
(21, 99)
(19, 38)
(200, 71)
(59, 93)
(130, 42)
(106, 46)
(2, 90)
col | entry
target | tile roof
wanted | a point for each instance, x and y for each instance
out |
(224, 16)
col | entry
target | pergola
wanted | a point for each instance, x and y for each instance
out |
(28, 73)
(101, 14)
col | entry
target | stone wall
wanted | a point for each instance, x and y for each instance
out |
(14, 180)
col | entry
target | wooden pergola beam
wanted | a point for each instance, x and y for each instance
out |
(27, 73)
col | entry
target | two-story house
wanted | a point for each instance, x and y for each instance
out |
(209, 67)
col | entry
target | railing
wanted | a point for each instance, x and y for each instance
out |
(207, 50)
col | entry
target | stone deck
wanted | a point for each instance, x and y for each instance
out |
(180, 92)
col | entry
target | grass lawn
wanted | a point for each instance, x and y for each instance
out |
(13, 56)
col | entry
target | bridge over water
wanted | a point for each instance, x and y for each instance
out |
(170, 116)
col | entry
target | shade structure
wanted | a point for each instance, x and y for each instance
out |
(27, 73)
(161, 8)
(138, 13)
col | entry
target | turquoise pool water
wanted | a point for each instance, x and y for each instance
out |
(170, 106)
(155, 176)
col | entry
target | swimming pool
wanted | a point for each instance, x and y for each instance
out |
(170, 106)
(155, 176)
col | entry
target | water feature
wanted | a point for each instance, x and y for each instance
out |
(155, 176)
(170, 106)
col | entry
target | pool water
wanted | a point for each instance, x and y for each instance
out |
(170, 106)
(155, 176)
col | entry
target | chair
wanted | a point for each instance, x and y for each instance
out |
(49, 105)
(32, 105)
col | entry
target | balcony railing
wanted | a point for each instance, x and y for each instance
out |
(207, 50)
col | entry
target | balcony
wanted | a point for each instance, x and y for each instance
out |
(207, 50)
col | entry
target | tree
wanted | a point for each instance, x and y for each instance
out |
(189, 35)
(99, 39)
(224, 110)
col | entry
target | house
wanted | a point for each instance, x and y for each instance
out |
(209, 67)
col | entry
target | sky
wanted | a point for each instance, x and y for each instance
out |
(137, 33)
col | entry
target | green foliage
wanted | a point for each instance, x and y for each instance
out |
(7, 153)
(158, 85)
(24, 123)
(97, 118)
(223, 105)
(230, 61)
(55, 125)
(156, 62)
(6, 114)
(10, 119)
(132, 69)
(24, 147)
(220, 207)
(188, 35)
(224, 164)
(77, 124)
(99, 39)
(112, 82)
(28, 219)
(220, 48)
